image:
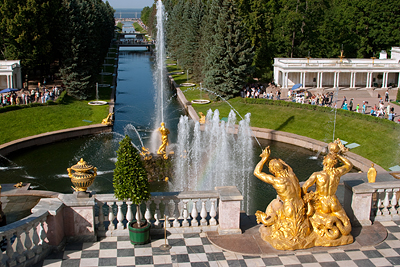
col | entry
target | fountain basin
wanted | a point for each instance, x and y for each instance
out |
(187, 84)
(200, 101)
(97, 103)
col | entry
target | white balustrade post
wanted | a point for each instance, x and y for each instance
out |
(379, 203)
(358, 202)
(393, 208)
(213, 212)
(10, 250)
(129, 213)
(194, 213)
(176, 214)
(137, 214)
(43, 235)
(147, 214)
(157, 213)
(203, 213)
(120, 216)
(185, 213)
(36, 239)
(111, 216)
(385, 210)
(166, 212)
(28, 243)
(19, 247)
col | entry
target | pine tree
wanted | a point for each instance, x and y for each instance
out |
(231, 56)
(130, 177)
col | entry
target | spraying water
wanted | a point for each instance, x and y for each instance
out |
(160, 76)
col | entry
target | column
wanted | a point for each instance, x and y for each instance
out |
(301, 78)
(320, 80)
(370, 80)
(286, 79)
(385, 81)
(304, 79)
(318, 73)
(354, 79)
(367, 82)
(8, 81)
(334, 79)
(351, 80)
(338, 79)
(398, 81)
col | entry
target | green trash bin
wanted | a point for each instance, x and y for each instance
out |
(139, 236)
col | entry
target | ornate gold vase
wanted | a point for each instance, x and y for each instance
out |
(83, 176)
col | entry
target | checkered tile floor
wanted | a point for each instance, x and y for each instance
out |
(195, 250)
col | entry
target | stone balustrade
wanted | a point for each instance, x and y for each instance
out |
(185, 212)
(366, 202)
(25, 241)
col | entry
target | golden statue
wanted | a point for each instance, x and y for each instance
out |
(285, 222)
(145, 153)
(164, 141)
(202, 118)
(298, 219)
(326, 214)
(18, 185)
(371, 174)
(108, 120)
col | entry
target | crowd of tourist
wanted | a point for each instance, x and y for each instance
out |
(326, 100)
(25, 96)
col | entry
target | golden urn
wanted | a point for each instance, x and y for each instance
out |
(83, 176)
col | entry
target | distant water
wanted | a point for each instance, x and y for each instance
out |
(127, 13)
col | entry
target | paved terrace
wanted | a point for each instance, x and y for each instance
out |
(377, 245)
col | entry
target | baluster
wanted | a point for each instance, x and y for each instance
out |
(157, 213)
(28, 243)
(203, 213)
(129, 213)
(166, 212)
(213, 212)
(120, 216)
(378, 206)
(19, 247)
(10, 250)
(385, 210)
(185, 213)
(194, 213)
(176, 213)
(137, 214)
(36, 239)
(147, 214)
(393, 202)
(111, 215)
(43, 234)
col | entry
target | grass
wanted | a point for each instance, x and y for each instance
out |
(138, 28)
(379, 139)
(31, 121)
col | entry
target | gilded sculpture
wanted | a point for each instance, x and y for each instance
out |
(371, 175)
(83, 175)
(162, 150)
(145, 153)
(108, 120)
(298, 219)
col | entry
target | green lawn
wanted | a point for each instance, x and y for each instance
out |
(379, 139)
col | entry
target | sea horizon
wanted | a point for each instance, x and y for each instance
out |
(127, 12)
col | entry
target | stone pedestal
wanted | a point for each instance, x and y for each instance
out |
(79, 218)
(229, 210)
(357, 202)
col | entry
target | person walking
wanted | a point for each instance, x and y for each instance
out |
(387, 96)
(357, 108)
(351, 105)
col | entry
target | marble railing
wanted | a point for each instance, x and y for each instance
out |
(23, 243)
(366, 202)
(184, 212)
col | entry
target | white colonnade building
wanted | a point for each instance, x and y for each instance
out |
(10, 74)
(346, 72)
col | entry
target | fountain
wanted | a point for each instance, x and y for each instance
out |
(133, 116)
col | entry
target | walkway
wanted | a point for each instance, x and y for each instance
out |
(197, 250)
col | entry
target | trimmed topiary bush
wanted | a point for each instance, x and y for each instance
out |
(130, 177)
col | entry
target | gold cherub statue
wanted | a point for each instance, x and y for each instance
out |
(108, 120)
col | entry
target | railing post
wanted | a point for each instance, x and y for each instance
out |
(79, 213)
(229, 210)
(358, 201)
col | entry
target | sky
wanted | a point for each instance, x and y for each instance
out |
(130, 3)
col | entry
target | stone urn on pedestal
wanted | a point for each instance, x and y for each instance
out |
(82, 177)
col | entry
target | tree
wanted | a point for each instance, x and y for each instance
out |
(130, 176)
(231, 56)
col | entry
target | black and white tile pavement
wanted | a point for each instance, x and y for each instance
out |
(195, 250)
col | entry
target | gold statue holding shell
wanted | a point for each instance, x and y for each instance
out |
(298, 219)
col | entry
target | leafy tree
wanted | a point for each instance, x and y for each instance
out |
(130, 176)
